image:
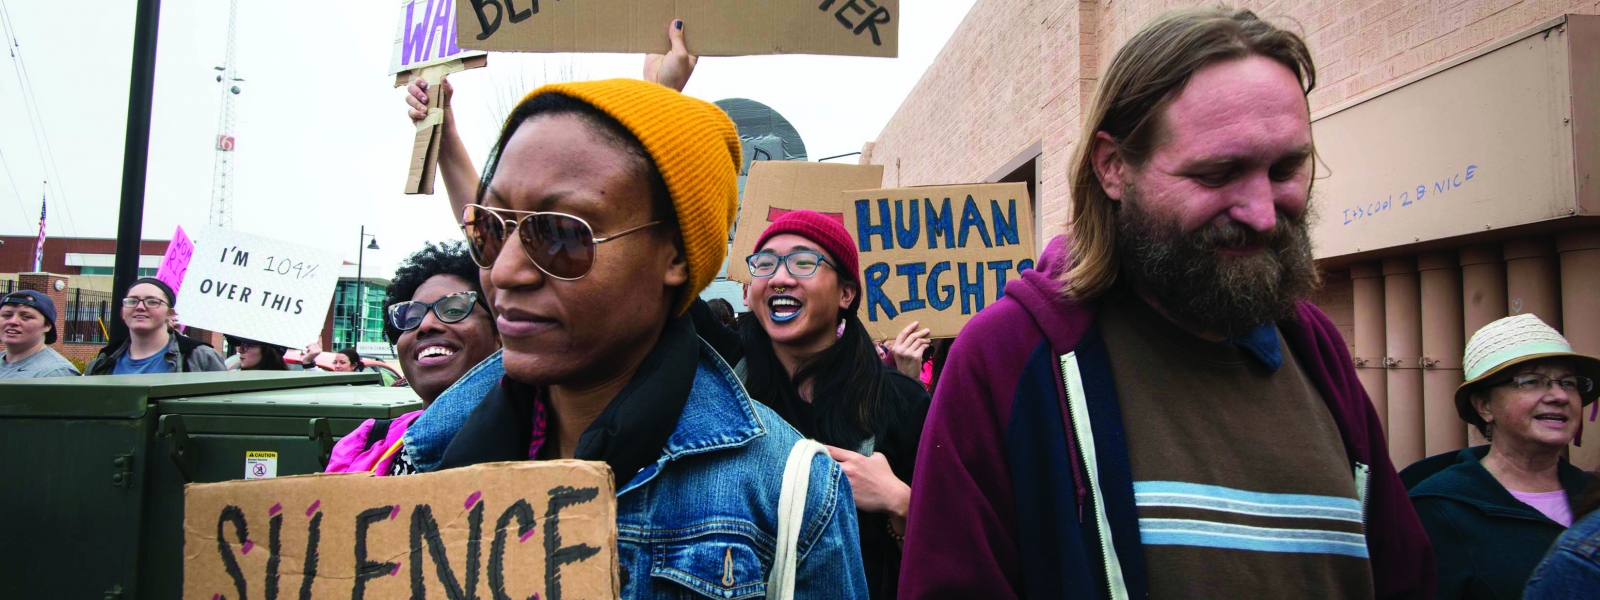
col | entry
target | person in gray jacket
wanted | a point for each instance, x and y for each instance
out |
(152, 345)
(27, 328)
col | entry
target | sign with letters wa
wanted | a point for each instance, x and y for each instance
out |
(259, 288)
(937, 254)
(425, 35)
(712, 27)
(500, 530)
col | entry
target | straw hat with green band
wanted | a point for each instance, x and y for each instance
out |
(1511, 341)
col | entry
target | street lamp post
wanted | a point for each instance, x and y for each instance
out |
(361, 297)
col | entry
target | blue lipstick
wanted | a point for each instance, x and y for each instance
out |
(789, 306)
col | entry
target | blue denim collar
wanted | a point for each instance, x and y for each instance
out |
(431, 433)
(719, 413)
(1262, 343)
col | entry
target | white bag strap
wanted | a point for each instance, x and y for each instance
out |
(791, 515)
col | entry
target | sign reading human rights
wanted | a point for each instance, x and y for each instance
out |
(543, 529)
(259, 288)
(937, 254)
(426, 35)
(714, 27)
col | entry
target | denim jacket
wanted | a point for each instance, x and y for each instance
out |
(701, 521)
(1572, 568)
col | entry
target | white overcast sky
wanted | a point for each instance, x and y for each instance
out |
(322, 137)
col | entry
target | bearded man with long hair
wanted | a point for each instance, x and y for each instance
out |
(1157, 410)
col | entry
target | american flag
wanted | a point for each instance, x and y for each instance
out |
(38, 250)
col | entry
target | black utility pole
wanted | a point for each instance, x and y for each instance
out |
(135, 158)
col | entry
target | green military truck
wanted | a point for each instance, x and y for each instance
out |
(92, 469)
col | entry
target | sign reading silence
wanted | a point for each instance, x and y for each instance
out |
(259, 288)
(714, 27)
(543, 529)
(937, 254)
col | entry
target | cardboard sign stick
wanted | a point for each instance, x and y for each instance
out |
(425, 147)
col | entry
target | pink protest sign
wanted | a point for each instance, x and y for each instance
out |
(176, 261)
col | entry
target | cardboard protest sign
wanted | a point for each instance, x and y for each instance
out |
(937, 254)
(176, 261)
(778, 186)
(425, 35)
(714, 27)
(520, 530)
(259, 288)
(425, 48)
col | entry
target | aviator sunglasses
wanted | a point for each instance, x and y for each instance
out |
(407, 316)
(559, 244)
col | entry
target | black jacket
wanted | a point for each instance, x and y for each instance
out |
(1485, 542)
(896, 439)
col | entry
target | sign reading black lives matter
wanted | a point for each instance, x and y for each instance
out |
(544, 529)
(713, 27)
(258, 288)
(937, 254)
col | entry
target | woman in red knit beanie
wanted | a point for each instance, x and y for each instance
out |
(826, 381)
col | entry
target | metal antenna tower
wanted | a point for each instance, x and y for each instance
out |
(222, 173)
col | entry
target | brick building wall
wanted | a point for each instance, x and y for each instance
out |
(16, 252)
(1019, 72)
(1013, 74)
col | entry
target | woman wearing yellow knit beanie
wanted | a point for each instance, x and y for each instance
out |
(603, 211)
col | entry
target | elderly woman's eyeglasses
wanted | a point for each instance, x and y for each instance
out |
(800, 263)
(1532, 382)
(559, 244)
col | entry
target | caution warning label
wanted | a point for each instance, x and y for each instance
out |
(260, 465)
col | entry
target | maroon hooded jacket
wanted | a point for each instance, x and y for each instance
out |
(1024, 490)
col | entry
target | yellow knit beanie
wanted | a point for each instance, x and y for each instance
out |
(695, 147)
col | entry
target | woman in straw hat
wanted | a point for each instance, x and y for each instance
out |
(1492, 511)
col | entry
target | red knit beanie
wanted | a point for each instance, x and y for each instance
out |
(826, 232)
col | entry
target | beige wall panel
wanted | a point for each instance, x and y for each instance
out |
(1403, 345)
(1366, 282)
(1483, 295)
(1580, 305)
(1533, 283)
(1480, 145)
(1442, 347)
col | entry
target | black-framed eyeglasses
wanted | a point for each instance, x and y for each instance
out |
(1530, 382)
(800, 263)
(149, 303)
(559, 244)
(407, 316)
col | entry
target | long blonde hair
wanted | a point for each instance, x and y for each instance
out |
(1145, 76)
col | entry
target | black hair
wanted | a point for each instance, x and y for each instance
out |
(355, 359)
(846, 383)
(172, 297)
(941, 353)
(603, 125)
(447, 258)
(723, 310)
(271, 358)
